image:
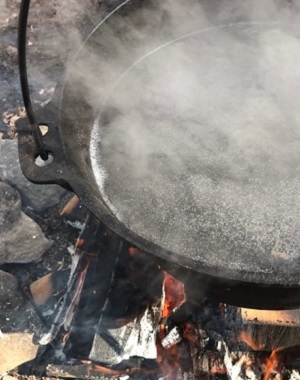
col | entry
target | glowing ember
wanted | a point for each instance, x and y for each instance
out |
(173, 295)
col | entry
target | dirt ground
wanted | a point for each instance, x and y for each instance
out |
(55, 31)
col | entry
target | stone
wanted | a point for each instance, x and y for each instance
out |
(10, 296)
(10, 206)
(21, 239)
(38, 197)
(20, 325)
(16, 349)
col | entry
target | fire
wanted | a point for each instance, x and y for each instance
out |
(278, 359)
(245, 337)
(275, 361)
(173, 295)
(272, 363)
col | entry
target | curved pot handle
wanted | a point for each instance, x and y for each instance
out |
(41, 155)
(53, 170)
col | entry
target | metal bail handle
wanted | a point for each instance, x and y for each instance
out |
(22, 40)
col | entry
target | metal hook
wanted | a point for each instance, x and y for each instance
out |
(22, 29)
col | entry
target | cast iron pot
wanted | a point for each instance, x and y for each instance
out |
(176, 125)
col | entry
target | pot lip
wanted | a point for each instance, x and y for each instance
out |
(271, 279)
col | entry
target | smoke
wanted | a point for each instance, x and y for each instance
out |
(196, 145)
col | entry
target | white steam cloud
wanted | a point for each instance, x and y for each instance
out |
(197, 143)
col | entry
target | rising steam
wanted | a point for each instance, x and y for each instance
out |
(197, 143)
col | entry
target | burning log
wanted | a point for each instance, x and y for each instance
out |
(181, 340)
(173, 295)
(271, 329)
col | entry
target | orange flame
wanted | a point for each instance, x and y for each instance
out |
(244, 336)
(272, 363)
(173, 297)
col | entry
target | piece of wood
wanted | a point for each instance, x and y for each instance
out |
(51, 285)
(42, 289)
(274, 317)
(70, 206)
(270, 329)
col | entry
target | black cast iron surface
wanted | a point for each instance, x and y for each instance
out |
(193, 162)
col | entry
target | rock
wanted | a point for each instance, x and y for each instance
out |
(21, 239)
(19, 325)
(16, 349)
(24, 242)
(10, 296)
(10, 206)
(38, 197)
